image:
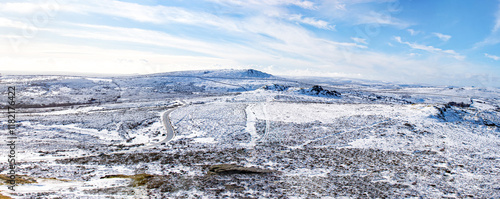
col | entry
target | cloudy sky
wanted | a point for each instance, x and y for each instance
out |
(438, 42)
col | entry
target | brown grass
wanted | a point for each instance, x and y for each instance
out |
(137, 179)
(20, 179)
(4, 197)
(63, 180)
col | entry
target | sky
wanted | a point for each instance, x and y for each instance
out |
(444, 42)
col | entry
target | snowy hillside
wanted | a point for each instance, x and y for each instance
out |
(89, 137)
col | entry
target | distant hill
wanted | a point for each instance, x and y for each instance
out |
(248, 73)
(227, 73)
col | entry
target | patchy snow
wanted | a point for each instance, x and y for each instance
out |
(250, 127)
(97, 80)
(328, 113)
(309, 172)
(209, 140)
(406, 140)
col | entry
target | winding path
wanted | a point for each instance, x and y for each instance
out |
(165, 118)
(168, 126)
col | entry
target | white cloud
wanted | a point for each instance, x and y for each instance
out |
(497, 20)
(398, 39)
(311, 21)
(431, 49)
(295, 47)
(144, 13)
(443, 37)
(8, 23)
(17, 7)
(362, 1)
(86, 59)
(382, 19)
(345, 44)
(264, 33)
(494, 37)
(340, 6)
(303, 4)
(359, 40)
(494, 57)
(413, 32)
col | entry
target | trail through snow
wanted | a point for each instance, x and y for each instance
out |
(250, 126)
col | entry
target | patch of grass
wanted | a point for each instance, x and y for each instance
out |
(166, 183)
(52, 178)
(137, 179)
(20, 179)
(4, 197)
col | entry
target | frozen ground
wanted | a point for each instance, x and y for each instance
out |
(342, 138)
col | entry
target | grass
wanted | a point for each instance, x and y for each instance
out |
(4, 197)
(23, 179)
(20, 179)
(167, 183)
(52, 178)
(137, 179)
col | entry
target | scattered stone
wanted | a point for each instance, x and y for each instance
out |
(276, 87)
(427, 152)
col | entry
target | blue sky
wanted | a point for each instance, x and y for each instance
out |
(433, 42)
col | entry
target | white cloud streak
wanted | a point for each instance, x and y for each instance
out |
(441, 36)
(494, 57)
(8, 23)
(359, 40)
(431, 49)
(21, 8)
(413, 32)
(311, 21)
(497, 20)
(273, 36)
(494, 37)
(89, 59)
(382, 19)
(151, 14)
(303, 4)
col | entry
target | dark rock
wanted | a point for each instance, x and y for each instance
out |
(317, 90)
(256, 73)
(460, 104)
(225, 169)
(427, 152)
(276, 87)
(489, 123)
(234, 187)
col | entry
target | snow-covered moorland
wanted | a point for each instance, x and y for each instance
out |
(87, 137)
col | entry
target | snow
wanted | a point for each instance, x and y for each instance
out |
(209, 140)
(309, 172)
(97, 80)
(255, 119)
(328, 113)
(250, 127)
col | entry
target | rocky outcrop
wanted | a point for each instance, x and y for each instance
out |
(276, 87)
(319, 91)
(225, 169)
